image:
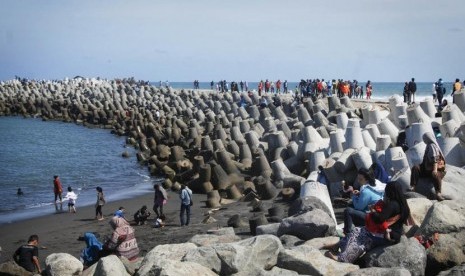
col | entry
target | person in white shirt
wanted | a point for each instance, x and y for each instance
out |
(71, 197)
(186, 203)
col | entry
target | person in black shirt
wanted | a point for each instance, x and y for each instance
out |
(412, 87)
(27, 256)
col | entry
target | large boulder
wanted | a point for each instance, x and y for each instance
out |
(309, 225)
(380, 271)
(259, 252)
(305, 204)
(319, 243)
(455, 271)
(408, 254)
(169, 268)
(11, 268)
(275, 271)
(58, 264)
(289, 241)
(453, 186)
(448, 251)
(308, 260)
(442, 219)
(268, 229)
(418, 208)
(110, 266)
(161, 253)
(208, 239)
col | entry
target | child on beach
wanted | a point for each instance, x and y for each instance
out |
(71, 197)
(140, 217)
(159, 222)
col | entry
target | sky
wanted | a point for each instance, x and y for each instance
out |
(175, 40)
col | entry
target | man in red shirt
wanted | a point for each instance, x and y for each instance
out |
(57, 189)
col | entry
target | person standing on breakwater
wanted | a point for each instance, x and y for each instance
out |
(440, 91)
(159, 199)
(412, 88)
(57, 188)
(99, 204)
(369, 90)
(27, 256)
(186, 203)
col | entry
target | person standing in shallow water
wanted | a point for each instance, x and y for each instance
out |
(57, 188)
(99, 204)
(186, 202)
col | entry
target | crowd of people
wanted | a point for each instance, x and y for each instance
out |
(379, 208)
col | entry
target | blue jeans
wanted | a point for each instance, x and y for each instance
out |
(353, 217)
(185, 209)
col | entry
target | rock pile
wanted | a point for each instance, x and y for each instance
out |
(205, 140)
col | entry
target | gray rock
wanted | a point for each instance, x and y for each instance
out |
(289, 241)
(228, 231)
(408, 254)
(161, 253)
(275, 271)
(442, 219)
(309, 260)
(268, 229)
(418, 208)
(446, 253)
(380, 271)
(309, 225)
(169, 268)
(13, 269)
(453, 186)
(319, 243)
(62, 264)
(260, 252)
(309, 203)
(455, 271)
(131, 266)
(110, 266)
(207, 239)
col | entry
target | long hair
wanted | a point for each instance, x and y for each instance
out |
(394, 192)
(368, 176)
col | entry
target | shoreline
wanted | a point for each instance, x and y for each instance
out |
(59, 232)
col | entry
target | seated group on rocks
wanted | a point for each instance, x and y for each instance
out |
(380, 210)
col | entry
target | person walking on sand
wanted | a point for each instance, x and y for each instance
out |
(71, 197)
(99, 204)
(57, 188)
(159, 199)
(27, 256)
(186, 203)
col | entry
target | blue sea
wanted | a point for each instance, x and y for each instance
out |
(381, 90)
(32, 151)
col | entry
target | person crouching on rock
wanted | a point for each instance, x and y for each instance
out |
(123, 240)
(395, 212)
(140, 217)
(27, 256)
(433, 165)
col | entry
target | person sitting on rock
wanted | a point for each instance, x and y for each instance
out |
(395, 212)
(433, 165)
(91, 253)
(378, 171)
(140, 217)
(123, 240)
(371, 190)
(27, 256)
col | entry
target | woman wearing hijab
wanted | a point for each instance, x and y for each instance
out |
(379, 172)
(123, 240)
(433, 165)
(91, 253)
(360, 240)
